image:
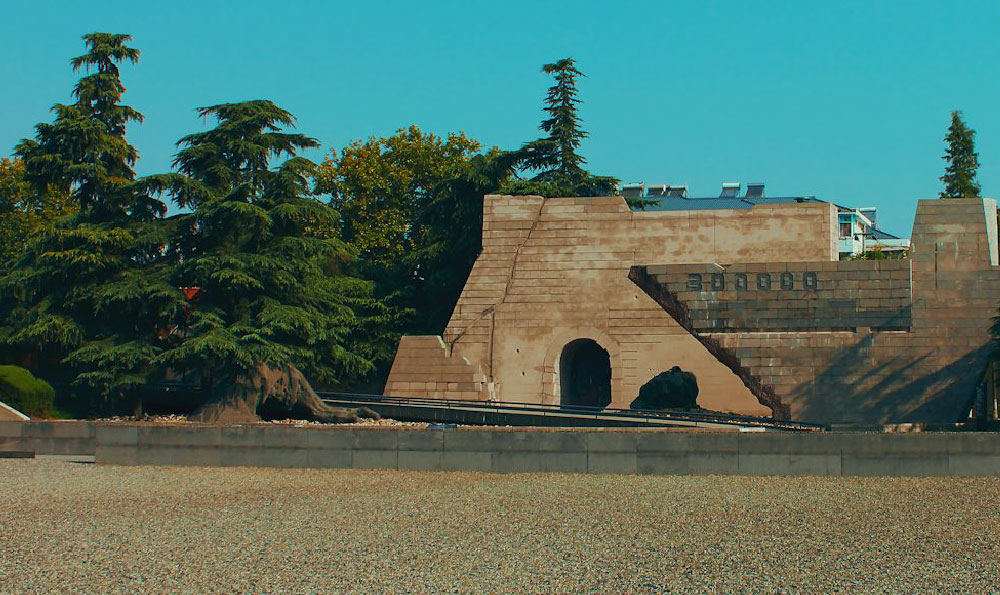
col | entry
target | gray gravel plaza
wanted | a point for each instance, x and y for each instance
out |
(68, 527)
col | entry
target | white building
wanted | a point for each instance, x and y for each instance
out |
(859, 234)
(858, 231)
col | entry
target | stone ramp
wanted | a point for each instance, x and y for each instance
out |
(8, 413)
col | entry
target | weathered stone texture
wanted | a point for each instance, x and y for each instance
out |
(424, 368)
(555, 270)
(794, 296)
(867, 341)
(906, 340)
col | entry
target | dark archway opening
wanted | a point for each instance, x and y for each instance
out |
(584, 375)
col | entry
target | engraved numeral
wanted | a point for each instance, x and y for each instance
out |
(787, 281)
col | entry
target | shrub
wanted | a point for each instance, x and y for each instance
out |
(22, 391)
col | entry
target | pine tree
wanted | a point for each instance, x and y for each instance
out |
(557, 154)
(269, 293)
(85, 149)
(90, 293)
(555, 157)
(960, 176)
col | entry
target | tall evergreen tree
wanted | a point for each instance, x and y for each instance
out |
(89, 293)
(555, 157)
(960, 176)
(269, 293)
(85, 150)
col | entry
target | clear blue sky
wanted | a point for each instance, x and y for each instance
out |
(846, 100)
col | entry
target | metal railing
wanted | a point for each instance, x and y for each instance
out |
(639, 417)
(652, 417)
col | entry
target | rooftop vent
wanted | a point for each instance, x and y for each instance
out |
(755, 190)
(657, 190)
(680, 191)
(730, 190)
(633, 190)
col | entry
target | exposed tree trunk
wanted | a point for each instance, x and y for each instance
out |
(239, 400)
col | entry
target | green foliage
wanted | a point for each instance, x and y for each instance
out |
(379, 187)
(874, 253)
(960, 176)
(411, 206)
(84, 151)
(995, 334)
(272, 281)
(555, 158)
(877, 252)
(24, 212)
(22, 391)
(90, 267)
(90, 292)
(450, 237)
(555, 155)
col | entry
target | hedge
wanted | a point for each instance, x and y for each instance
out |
(22, 391)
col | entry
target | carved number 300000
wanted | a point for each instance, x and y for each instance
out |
(741, 281)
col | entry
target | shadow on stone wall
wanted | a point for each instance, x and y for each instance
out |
(679, 312)
(848, 389)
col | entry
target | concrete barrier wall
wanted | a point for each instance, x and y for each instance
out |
(570, 450)
(49, 437)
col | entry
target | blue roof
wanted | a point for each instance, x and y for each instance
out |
(683, 203)
(678, 203)
(878, 234)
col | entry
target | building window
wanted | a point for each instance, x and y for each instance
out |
(845, 229)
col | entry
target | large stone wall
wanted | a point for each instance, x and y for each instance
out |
(423, 367)
(555, 270)
(793, 296)
(754, 302)
(913, 337)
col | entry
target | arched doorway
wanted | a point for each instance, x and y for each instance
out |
(584, 375)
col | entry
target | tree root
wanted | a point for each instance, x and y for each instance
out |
(284, 388)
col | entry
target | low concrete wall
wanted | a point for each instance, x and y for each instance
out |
(571, 450)
(49, 437)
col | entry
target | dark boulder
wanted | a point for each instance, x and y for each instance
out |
(674, 389)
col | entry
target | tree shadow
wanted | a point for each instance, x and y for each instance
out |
(902, 388)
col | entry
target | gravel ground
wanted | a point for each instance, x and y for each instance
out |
(81, 528)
